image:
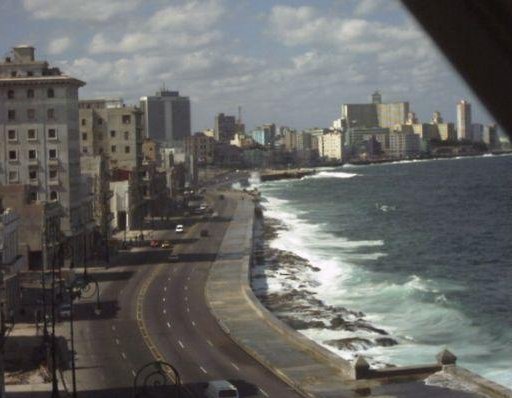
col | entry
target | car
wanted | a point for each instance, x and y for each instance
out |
(174, 258)
(204, 233)
(179, 228)
(154, 243)
(221, 196)
(166, 245)
(64, 311)
(220, 389)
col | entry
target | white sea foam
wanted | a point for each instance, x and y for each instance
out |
(332, 174)
(415, 311)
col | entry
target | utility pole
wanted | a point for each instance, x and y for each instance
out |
(44, 265)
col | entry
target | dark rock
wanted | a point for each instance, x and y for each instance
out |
(386, 341)
(351, 343)
(299, 324)
(338, 322)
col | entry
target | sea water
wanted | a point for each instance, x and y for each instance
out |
(424, 249)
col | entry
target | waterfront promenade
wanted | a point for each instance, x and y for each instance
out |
(309, 368)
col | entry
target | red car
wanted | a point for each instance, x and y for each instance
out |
(154, 243)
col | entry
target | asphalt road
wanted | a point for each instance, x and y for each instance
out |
(175, 319)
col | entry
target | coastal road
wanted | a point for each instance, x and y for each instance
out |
(111, 349)
(177, 317)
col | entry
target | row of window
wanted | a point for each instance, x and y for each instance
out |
(31, 114)
(112, 135)
(12, 135)
(30, 93)
(126, 119)
(13, 154)
(113, 149)
(33, 196)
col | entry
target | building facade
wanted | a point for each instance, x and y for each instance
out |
(112, 129)
(464, 120)
(225, 127)
(402, 145)
(40, 136)
(201, 147)
(330, 146)
(166, 117)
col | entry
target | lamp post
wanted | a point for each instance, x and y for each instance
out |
(156, 375)
(80, 287)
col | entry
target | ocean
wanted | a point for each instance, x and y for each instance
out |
(419, 251)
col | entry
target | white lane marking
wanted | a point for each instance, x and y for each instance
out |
(113, 327)
(165, 288)
(186, 298)
(188, 278)
(203, 369)
(168, 325)
(118, 342)
(163, 299)
(169, 278)
(188, 309)
(181, 344)
(186, 287)
(164, 311)
(209, 342)
(234, 365)
(123, 355)
(133, 373)
(263, 392)
(193, 323)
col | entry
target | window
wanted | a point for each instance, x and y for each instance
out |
(32, 196)
(100, 121)
(50, 93)
(32, 154)
(52, 134)
(31, 134)
(32, 175)
(52, 154)
(30, 93)
(11, 135)
(85, 150)
(50, 113)
(13, 73)
(100, 136)
(84, 136)
(113, 149)
(127, 119)
(53, 174)
(13, 176)
(126, 135)
(13, 155)
(112, 133)
(126, 149)
(10, 94)
(54, 195)
(31, 114)
(84, 122)
(30, 73)
(11, 114)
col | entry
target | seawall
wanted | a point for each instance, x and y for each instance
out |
(309, 368)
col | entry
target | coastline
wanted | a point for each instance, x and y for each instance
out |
(295, 303)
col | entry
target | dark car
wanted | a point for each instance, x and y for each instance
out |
(204, 233)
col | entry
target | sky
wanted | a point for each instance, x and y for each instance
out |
(291, 62)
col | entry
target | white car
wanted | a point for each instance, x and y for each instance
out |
(220, 389)
(179, 228)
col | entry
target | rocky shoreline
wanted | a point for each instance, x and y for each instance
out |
(285, 282)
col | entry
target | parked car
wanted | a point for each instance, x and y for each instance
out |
(179, 228)
(166, 244)
(64, 311)
(174, 258)
(221, 389)
(204, 233)
(154, 243)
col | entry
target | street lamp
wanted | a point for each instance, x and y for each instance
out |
(156, 375)
(81, 287)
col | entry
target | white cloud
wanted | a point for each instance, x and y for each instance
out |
(191, 16)
(369, 7)
(90, 10)
(58, 46)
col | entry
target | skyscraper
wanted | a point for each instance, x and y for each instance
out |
(463, 120)
(166, 117)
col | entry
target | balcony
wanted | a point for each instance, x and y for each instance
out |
(54, 183)
(33, 162)
(53, 161)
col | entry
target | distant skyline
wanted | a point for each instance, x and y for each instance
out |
(289, 62)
